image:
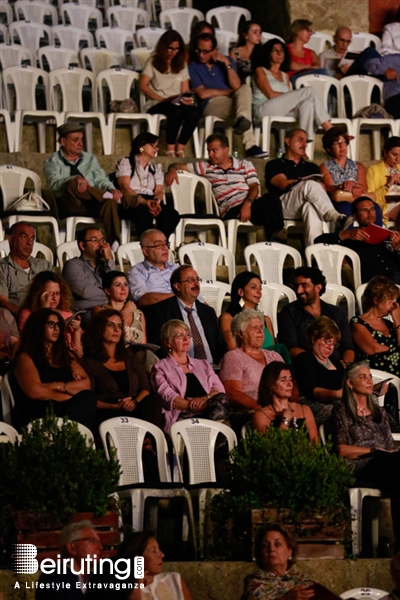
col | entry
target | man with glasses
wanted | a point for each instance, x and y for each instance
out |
(339, 62)
(84, 273)
(184, 304)
(220, 92)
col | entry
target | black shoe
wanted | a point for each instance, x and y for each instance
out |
(241, 125)
(256, 152)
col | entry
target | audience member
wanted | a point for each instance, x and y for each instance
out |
(293, 319)
(376, 258)
(395, 573)
(301, 197)
(198, 28)
(18, 268)
(207, 341)
(319, 375)
(364, 439)
(165, 82)
(383, 179)
(149, 281)
(391, 37)
(235, 185)
(9, 340)
(84, 273)
(338, 62)
(137, 175)
(46, 374)
(188, 386)
(389, 67)
(220, 92)
(277, 409)
(302, 60)
(249, 38)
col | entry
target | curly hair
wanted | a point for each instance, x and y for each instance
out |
(33, 341)
(161, 52)
(379, 289)
(261, 55)
(36, 289)
(92, 339)
(239, 283)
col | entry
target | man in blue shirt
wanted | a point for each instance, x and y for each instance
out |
(220, 93)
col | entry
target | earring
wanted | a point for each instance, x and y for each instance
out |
(241, 302)
(141, 150)
(290, 557)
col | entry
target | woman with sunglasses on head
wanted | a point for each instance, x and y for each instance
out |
(47, 375)
(165, 81)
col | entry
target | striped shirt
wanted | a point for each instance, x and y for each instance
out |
(230, 186)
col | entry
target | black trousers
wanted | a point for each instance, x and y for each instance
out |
(392, 105)
(266, 211)
(177, 115)
(166, 221)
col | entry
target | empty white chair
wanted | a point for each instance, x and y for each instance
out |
(4, 36)
(114, 38)
(6, 9)
(270, 258)
(79, 15)
(334, 294)
(100, 59)
(181, 19)
(364, 592)
(148, 36)
(225, 39)
(8, 432)
(357, 495)
(128, 18)
(72, 37)
(12, 55)
(66, 251)
(319, 42)
(56, 57)
(204, 259)
(272, 294)
(214, 294)
(30, 34)
(228, 17)
(361, 40)
(322, 84)
(9, 127)
(329, 259)
(35, 11)
(139, 57)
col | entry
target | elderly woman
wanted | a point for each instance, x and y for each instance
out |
(319, 375)
(377, 339)
(383, 179)
(188, 386)
(277, 409)
(136, 175)
(276, 577)
(364, 439)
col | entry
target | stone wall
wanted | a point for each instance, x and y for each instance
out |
(328, 15)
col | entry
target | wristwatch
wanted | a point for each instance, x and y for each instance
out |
(228, 67)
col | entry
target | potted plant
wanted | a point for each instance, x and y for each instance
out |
(49, 477)
(279, 476)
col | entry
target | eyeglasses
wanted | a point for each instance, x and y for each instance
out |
(94, 240)
(325, 342)
(113, 325)
(181, 336)
(172, 49)
(53, 324)
(191, 280)
(160, 245)
(91, 540)
(199, 51)
(54, 294)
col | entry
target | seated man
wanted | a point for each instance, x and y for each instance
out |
(389, 67)
(19, 267)
(220, 93)
(84, 273)
(302, 198)
(293, 320)
(376, 259)
(235, 185)
(339, 62)
(149, 280)
(184, 304)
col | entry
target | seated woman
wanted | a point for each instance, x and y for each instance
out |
(137, 175)
(383, 180)
(364, 439)
(49, 290)
(46, 374)
(188, 386)
(249, 38)
(277, 409)
(318, 374)
(377, 339)
(302, 60)
(273, 95)
(344, 179)
(246, 293)
(9, 340)
(121, 384)
(164, 78)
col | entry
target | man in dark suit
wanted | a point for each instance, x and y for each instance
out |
(201, 319)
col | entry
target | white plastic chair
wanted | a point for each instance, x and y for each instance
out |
(319, 42)
(322, 85)
(183, 196)
(127, 18)
(100, 59)
(83, 430)
(11, 55)
(114, 38)
(57, 57)
(7, 432)
(377, 377)
(66, 251)
(329, 258)
(357, 495)
(364, 592)
(204, 259)
(12, 183)
(214, 294)
(4, 36)
(361, 40)
(270, 258)
(334, 294)
(79, 15)
(72, 37)
(36, 251)
(30, 34)
(132, 251)
(228, 17)
(272, 294)
(181, 19)
(265, 36)
(6, 9)
(148, 36)
(225, 39)
(9, 126)
(126, 435)
(7, 397)
(35, 11)
(199, 437)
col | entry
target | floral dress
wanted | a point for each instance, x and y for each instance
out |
(263, 585)
(385, 361)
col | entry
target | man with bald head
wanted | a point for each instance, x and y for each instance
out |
(339, 62)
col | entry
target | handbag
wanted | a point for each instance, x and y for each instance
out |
(31, 201)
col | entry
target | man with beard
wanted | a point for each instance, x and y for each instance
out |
(293, 320)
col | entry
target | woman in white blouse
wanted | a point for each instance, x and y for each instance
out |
(137, 175)
(165, 81)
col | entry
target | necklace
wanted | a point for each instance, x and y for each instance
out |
(185, 364)
(362, 410)
(326, 363)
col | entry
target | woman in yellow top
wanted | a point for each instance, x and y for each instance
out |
(384, 180)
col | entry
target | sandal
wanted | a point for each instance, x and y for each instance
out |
(180, 153)
(170, 153)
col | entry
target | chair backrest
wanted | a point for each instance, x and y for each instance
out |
(182, 20)
(119, 83)
(225, 38)
(329, 259)
(37, 249)
(365, 592)
(265, 36)
(4, 36)
(184, 193)
(13, 180)
(57, 57)
(319, 42)
(66, 251)
(79, 15)
(20, 87)
(127, 17)
(360, 88)
(7, 397)
(272, 294)
(214, 294)
(30, 34)
(126, 435)
(378, 376)
(148, 36)
(228, 17)
(83, 430)
(6, 9)
(198, 436)
(204, 259)
(270, 258)
(335, 293)
(12, 55)
(361, 40)
(35, 11)
(70, 83)
(8, 431)
(114, 38)
(72, 37)
(100, 59)
(322, 84)
(167, 4)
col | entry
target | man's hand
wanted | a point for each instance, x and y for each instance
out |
(116, 195)
(83, 184)
(395, 239)
(357, 233)
(171, 176)
(105, 251)
(245, 212)
(217, 56)
(391, 74)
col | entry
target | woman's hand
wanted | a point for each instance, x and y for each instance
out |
(300, 592)
(45, 300)
(395, 312)
(129, 404)
(154, 207)
(129, 308)
(75, 324)
(349, 185)
(197, 404)
(187, 100)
